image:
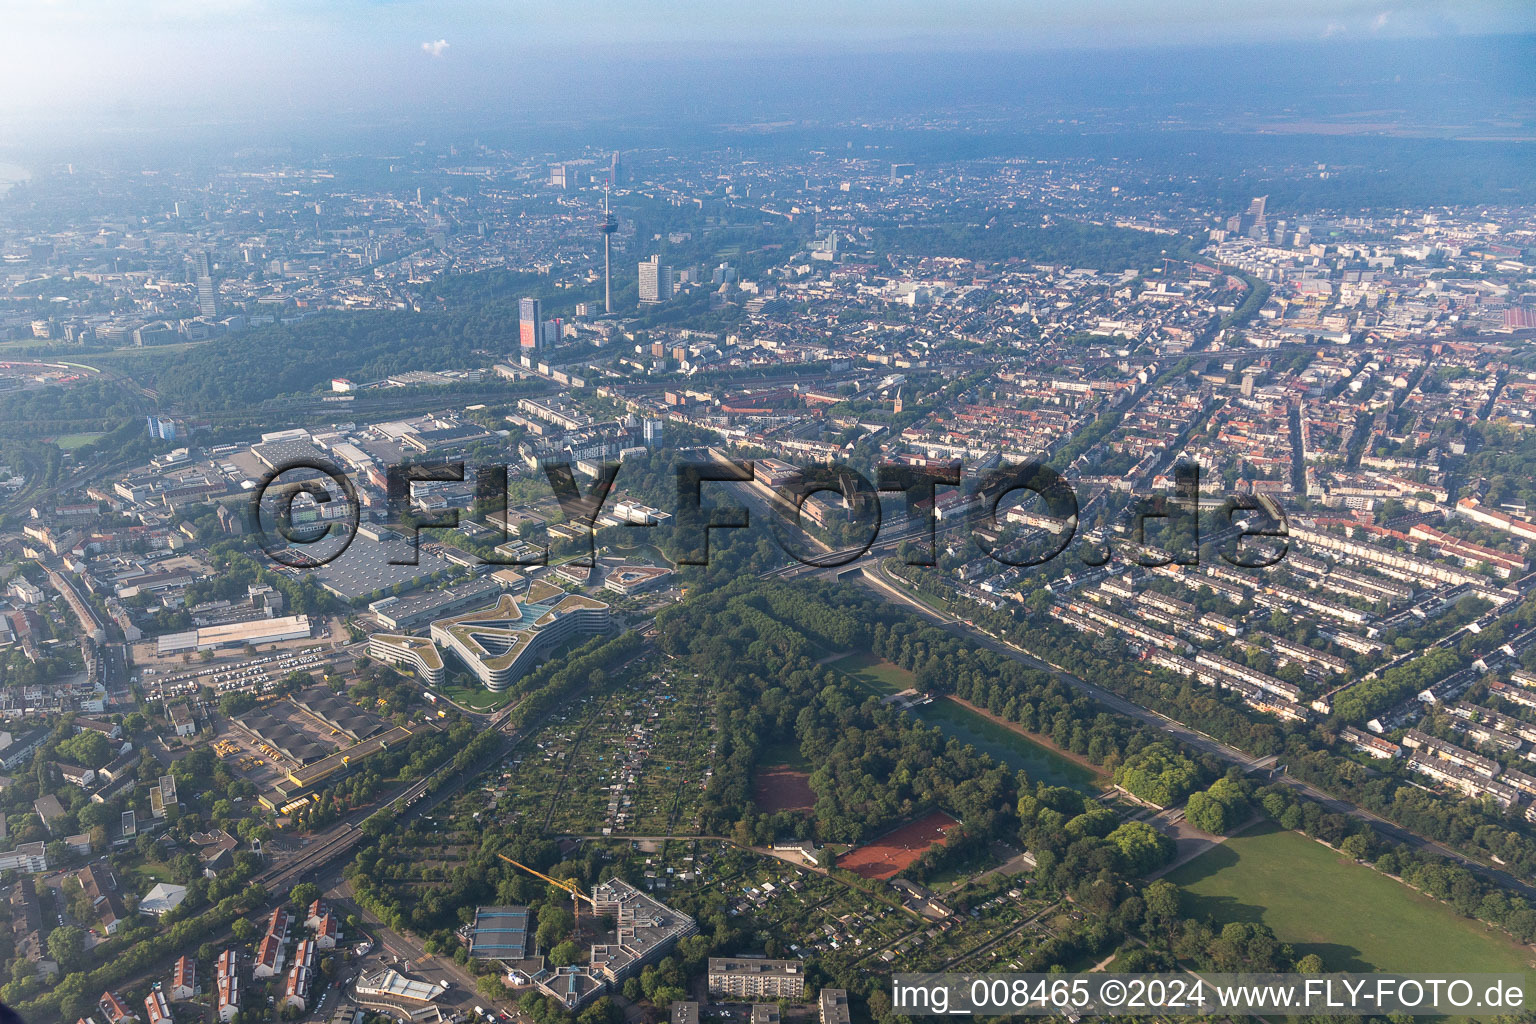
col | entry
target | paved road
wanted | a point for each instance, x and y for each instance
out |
(460, 994)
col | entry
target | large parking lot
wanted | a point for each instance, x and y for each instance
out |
(233, 671)
(364, 567)
(244, 757)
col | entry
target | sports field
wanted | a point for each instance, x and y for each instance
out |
(69, 442)
(886, 856)
(874, 673)
(782, 789)
(1351, 915)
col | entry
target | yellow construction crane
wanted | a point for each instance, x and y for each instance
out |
(570, 887)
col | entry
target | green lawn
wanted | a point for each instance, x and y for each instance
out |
(631, 548)
(476, 697)
(783, 754)
(1352, 916)
(69, 442)
(874, 674)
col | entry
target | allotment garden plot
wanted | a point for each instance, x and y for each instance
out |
(841, 926)
(632, 759)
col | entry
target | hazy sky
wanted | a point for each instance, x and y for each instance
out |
(63, 60)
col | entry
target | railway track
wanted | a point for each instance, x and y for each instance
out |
(316, 856)
(341, 839)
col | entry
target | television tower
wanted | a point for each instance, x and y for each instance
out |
(608, 226)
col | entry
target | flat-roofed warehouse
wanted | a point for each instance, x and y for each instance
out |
(402, 613)
(236, 634)
(300, 781)
(365, 568)
(281, 735)
(501, 933)
(336, 713)
(391, 984)
(292, 451)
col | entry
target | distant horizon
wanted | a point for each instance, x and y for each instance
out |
(1458, 86)
(100, 68)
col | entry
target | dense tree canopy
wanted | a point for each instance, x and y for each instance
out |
(1158, 775)
(1219, 809)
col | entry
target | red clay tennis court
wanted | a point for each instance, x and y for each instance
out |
(888, 855)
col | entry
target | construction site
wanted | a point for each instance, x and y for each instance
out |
(644, 930)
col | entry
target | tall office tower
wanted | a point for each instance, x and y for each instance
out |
(608, 226)
(615, 171)
(649, 284)
(655, 281)
(530, 330)
(1253, 221)
(1250, 223)
(559, 176)
(207, 294)
(207, 298)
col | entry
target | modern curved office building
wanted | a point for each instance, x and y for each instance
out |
(499, 644)
(414, 652)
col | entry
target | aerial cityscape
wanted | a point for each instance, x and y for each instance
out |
(699, 553)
